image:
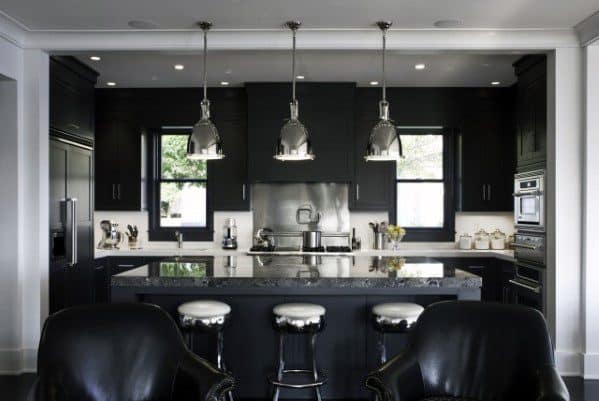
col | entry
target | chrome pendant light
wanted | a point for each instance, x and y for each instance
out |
(384, 143)
(204, 142)
(294, 142)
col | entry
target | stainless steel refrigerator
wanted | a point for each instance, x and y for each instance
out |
(71, 224)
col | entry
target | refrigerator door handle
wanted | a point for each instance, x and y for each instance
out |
(71, 227)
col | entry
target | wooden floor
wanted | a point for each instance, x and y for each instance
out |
(16, 388)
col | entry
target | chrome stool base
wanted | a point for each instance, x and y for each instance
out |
(298, 319)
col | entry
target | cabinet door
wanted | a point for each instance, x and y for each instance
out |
(532, 115)
(72, 98)
(118, 165)
(228, 176)
(373, 184)
(472, 165)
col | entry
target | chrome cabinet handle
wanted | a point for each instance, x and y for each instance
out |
(113, 191)
(72, 231)
(524, 246)
(535, 289)
(118, 191)
(243, 191)
(357, 191)
(484, 192)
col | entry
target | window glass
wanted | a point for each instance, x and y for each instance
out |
(423, 157)
(183, 204)
(173, 161)
(420, 204)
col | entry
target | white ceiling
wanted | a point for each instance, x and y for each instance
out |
(156, 69)
(270, 14)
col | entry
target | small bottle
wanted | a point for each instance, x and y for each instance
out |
(355, 242)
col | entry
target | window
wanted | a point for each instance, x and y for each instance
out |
(179, 191)
(424, 185)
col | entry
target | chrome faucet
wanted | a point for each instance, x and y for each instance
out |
(179, 237)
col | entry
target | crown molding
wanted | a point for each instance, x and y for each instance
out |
(11, 30)
(588, 30)
(314, 39)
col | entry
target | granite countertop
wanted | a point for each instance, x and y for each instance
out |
(243, 271)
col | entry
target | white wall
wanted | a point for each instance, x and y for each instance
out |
(564, 206)
(591, 215)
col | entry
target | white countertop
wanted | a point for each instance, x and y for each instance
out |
(507, 255)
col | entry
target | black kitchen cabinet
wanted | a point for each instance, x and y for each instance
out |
(485, 154)
(118, 164)
(229, 176)
(72, 99)
(531, 112)
(373, 183)
(327, 112)
(507, 271)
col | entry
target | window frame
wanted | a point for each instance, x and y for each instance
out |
(432, 234)
(155, 231)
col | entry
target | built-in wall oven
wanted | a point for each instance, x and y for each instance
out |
(529, 200)
(527, 286)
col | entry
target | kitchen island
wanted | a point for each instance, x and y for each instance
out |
(347, 287)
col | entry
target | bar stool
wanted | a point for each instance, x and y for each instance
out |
(206, 316)
(298, 318)
(393, 317)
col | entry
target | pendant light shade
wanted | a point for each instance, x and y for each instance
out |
(294, 142)
(204, 143)
(384, 143)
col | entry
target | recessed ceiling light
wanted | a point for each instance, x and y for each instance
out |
(95, 58)
(420, 66)
(141, 24)
(110, 83)
(373, 83)
(179, 67)
(300, 77)
(448, 23)
(495, 83)
(224, 83)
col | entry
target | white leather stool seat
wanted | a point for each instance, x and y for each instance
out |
(299, 310)
(398, 311)
(204, 309)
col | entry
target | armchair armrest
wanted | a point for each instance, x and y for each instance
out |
(199, 380)
(399, 379)
(551, 386)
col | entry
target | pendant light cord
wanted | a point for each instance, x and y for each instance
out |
(384, 51)
(205, 70)
(293, 67)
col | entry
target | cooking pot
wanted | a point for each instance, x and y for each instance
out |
(311, 239)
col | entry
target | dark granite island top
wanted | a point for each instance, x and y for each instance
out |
(301, 274)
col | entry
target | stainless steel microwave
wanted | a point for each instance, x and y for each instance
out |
(529, 200)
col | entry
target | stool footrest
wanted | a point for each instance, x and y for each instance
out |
(322, 378)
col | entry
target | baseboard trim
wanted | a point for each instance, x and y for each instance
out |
(18, 361)
(569, 363)
(591, 366)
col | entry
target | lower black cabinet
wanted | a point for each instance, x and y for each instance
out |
(487, 268)
(107, 267)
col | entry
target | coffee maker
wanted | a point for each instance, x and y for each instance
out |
(111, 236)
(229, 234)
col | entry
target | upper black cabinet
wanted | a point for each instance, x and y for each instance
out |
(373, 184)
(486, 153)
(118, 164)
(531, 111)
(72, 99)
(327, 112)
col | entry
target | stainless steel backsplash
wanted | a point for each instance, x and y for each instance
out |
(275, 206)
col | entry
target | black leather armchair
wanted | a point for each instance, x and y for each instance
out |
(473, 351)
(129, 352)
